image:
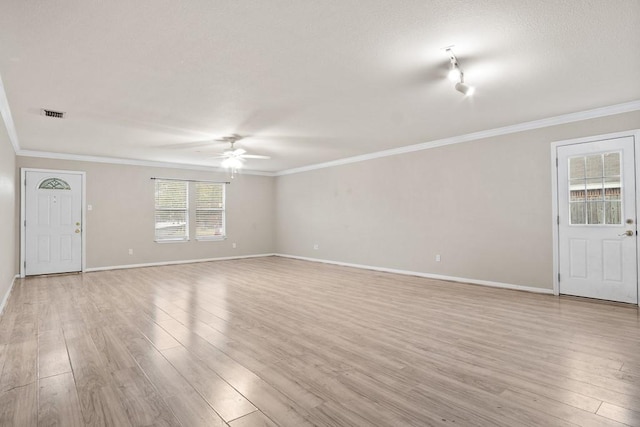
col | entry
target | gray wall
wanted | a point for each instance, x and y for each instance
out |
(8, 222)
(122, 197)
(484, 206)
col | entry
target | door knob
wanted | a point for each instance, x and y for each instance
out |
(77, 230)
(627, 233)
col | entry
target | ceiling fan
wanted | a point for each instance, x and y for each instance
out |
(234, 157)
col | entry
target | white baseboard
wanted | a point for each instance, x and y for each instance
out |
(345, 264)
(427, 275)
(187, 261)
(8, 294)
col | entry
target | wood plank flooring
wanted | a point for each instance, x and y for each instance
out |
(282, 342)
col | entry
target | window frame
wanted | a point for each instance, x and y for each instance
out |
(191, 211)
(186, 210)
(603, 187)
(222, 209)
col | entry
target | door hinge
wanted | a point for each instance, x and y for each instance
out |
(558, 277)
(558, 218)
(556, 162)
(25, 264)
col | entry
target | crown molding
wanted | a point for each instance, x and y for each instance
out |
(5, 112)
(506, 130)
(131, 162)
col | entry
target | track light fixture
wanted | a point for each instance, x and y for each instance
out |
(454, 72)
(465, 89)
(456, 75)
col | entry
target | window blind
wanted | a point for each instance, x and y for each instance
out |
(171, 210)
(210, 218)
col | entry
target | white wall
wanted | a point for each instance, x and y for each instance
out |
(122, 197)
(8, 222)
(484, 206)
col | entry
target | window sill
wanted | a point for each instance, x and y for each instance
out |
(211, 239)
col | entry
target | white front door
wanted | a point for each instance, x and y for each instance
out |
(53, 222)
(597, 220)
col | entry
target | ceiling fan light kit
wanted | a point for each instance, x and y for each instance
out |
(233, 158)
(232, 163)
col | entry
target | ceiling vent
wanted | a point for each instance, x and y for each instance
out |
(52, 113)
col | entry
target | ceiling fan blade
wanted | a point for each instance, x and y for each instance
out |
(255, 156)
(239, 151)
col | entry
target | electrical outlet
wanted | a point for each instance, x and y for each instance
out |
(233, 245)
(316, 246)
(89, 207)
(130, 251)
(438, 258)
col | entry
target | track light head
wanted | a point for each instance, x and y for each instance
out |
(454, 73)
(465, 89)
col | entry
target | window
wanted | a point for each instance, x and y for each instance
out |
(54, 184)
(175, 210)
(595, 184)
(209, 210)
(172, 212)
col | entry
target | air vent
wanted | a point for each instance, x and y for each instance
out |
(52, 113)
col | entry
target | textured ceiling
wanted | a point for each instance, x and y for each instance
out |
(306, 81)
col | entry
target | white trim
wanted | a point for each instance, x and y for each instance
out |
(521, 127)
(132, 162)
(554, 193)
(23, 215)
(5, 111)
(6, 296)
(554, 218)
(83, 230)
(426, 275)
(636, 146)
(593, 138)
(186, 261)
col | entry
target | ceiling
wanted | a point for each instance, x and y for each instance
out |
(304, 81)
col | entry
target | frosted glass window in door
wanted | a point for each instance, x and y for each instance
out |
(595, 185)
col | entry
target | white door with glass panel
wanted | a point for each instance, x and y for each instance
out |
(53, 227)
(597, 220)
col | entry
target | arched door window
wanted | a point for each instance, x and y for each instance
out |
(54, 184)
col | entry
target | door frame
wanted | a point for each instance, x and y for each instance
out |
(554, 193)
(23, 213)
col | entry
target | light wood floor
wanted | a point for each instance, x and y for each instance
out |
(280, 342)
